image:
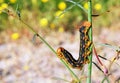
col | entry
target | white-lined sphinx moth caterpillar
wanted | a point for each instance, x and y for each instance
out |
(84, 50)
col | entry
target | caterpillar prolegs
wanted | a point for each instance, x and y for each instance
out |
(84, 50)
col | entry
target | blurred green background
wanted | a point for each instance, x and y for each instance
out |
(47, 15)
(44, 14)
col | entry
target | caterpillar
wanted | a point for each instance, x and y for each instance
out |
(84, 50)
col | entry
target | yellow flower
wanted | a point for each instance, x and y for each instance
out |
(0, 10)
(98, 6)
(86, 5)
(15, 36)
(44, 1)
(26, 67)
(34, 2)
(59, 14)
(1, 1)
(4, 6)
(43, 22)
(12, 1)
(62, 5)
(61, 29)
(52, 25)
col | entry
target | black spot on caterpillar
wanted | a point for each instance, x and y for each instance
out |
(84, 50)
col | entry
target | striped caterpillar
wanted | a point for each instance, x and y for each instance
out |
(84, 50)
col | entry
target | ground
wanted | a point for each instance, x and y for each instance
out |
(22, 61)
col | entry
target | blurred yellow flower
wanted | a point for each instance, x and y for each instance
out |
(43, 22)
(1, 1)
(0, 10)
(52, 25)
(15, 36)
(62, 5)
(4, 6)
(59, 14)
(26, 67)
(34, 2)
(98, 6)
(12, 1)
(44, 1)
(61, 29)
(86, 5)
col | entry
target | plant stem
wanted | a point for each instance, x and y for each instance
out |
(90, 36)
(71, 72)
(105, 79)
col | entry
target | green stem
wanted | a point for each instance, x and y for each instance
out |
(105, 79)
(72, 73)
(90, 36)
